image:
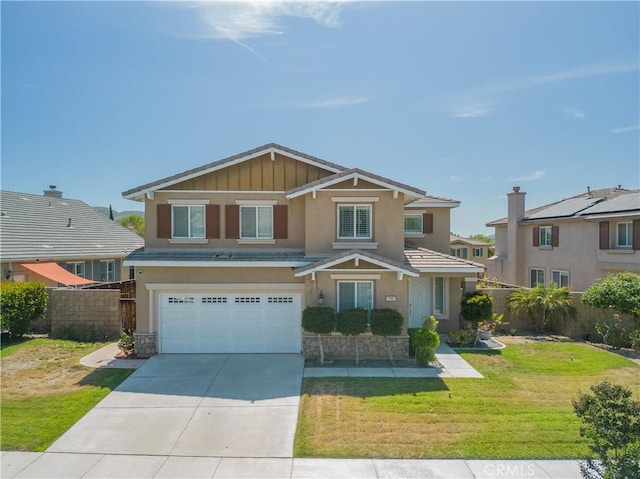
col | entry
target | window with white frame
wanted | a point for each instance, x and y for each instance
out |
(188, 221)
(624, 236)
(477, 253)
(77, 268)
(439, 296)
(355, 295)
(354, 221)
(413, 224)
(536, 277)
(256, 222)
(108, 271)
(561, 278)
(545, 236)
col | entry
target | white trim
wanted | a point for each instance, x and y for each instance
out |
(256, 241)
(451, 269)
(232, 287)
(367, 270)
(268, 192)
(609, 216)
(355, 216)
(194, 202)
(414, 235)
(355, 276)
(256, 202)
(355, 199)
(435, 204)
(354, 256)
(188, 241)
(353, 190)
(354, 245)
(217, 264)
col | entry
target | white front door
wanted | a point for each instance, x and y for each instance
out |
(419, 301)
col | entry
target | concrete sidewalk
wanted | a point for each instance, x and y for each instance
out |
(72, 466)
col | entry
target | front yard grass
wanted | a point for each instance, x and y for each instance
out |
(522, 409)
(45, 390)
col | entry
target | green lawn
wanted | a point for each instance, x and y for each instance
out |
(522, 409)
(45, 390)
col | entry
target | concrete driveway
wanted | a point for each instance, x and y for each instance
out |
(209, 405)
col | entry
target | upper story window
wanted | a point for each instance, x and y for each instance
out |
(413, 223)
(545, 236)
(354, 221)
(188, 221)
(256, 222)
(537, 277)
(477, 252)
(624, 235)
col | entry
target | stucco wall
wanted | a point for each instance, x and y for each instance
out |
(85, 314)
(440, 238)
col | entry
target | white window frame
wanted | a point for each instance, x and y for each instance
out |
(439, 313)
(257, 209)
(355, 291)
(539, 271)
(190, 233)
(355, 207)
(628, 225)
(560, 274)
(111, 275)
(78, 271)
(478, 252)
(416, 216)
(546, 236)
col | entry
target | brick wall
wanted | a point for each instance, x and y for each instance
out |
(85, 314)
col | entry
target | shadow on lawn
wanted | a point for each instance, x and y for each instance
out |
(105, 378)
(371, 387)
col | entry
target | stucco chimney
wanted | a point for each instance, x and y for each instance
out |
(53, 192)
(515, 215)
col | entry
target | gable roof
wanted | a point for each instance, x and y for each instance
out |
(429, 261)
(44, 227)
(591, 202)
(431, 201)
(353, 174)
(468, 241)
(138, 192)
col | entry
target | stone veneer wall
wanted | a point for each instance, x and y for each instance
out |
(144, 344)
(85, 314)
(369, 346)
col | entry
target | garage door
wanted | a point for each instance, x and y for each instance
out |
(230, 323)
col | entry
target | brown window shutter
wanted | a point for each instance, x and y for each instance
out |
(232, 221)
(555, 235)
(604, 235)
(427, 223)
(536, 236)
(636, 235)
(164, 221)
(212, 221)
(280, 222)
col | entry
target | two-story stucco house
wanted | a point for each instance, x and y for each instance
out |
(467, 248)
(573, 242)
(236, 249)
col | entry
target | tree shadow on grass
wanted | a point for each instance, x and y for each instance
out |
(105, 378)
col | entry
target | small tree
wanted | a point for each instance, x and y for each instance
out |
(612, 422)
(386, 322)
(134, 223)
(476, 308)
(20, 304)
(319, 320)
(618, 291)
(426, 340)
(352, 322)
(542, 304)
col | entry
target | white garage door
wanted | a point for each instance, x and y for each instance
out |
(230, 323)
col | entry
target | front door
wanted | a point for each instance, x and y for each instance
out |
(419, 301)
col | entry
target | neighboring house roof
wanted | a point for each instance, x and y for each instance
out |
(591, 202)
(139, 192)
(431, 201)
(45, 227)
(428, 261)
(357, 255)
(453, 239)
(231, 258)
(354, 174)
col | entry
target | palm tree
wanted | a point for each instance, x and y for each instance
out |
(542, 304)
(134, 223)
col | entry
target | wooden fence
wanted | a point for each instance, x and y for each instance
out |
(127, 301)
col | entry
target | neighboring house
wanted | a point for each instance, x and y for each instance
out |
(44, 238)
(572, 242)
(236, 249)
(467, 248)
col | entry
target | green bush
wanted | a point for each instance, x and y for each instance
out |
(352, 322)
(126, 344)
(20, 304)
(319, 319)
(386, 322)
(476, 307)
(635, 340)
(614, 335)
(426, 340)
(461, 337)
(618, 291)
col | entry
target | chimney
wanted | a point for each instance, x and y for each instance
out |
(53, 192)
(514, 235)
(589, 190)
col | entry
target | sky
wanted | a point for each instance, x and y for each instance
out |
(463, 100)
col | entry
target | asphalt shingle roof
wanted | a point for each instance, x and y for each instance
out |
(48, 228)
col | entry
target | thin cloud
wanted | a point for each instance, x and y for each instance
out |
(336, 102)
(626, 129)
(575, 113)
(472, 111)
(458, 178)
(536, 175)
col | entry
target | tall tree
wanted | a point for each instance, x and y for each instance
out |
(134, 223)
(110, 213)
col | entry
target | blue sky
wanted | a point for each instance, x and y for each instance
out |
(464, 100)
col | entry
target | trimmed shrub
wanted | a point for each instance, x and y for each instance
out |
(386, 322)
(319, 319)
(412, 332)
(427, 340)
(476, 307)
(461, 337)
(126, 344)
(20, 304)
(352, 322)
